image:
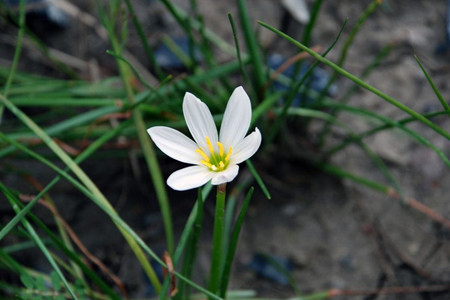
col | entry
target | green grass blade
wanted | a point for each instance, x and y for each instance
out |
(70, 255)
(92, 148)
(253, 48)
(332, 169)
(296, 88)
(347, 44)
(388, 123)
(181, 16)
(361, 83)
(238, 49)
(258, 179)
(217, 250)
(184, 238)
(98, 196)
(38, 242)
(144, 40)
(233, 245)
(346, 97)
(310, 113)
(17, 52)
(433, 86)
(312, 21)
(192, 247)
(149, 154)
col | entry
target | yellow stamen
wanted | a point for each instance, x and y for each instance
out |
(229, 154)
(220, 148)
(210, 146)
(221, 165)
(206, 164)
(205, 157)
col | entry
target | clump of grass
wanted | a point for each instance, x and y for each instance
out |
(74, 119)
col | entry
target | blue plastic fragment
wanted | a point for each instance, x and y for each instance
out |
(272, 267)
(317, 80)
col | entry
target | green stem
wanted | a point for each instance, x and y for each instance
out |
(147, 148)
(216, 256)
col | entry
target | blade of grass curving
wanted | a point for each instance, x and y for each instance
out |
(253, 48)
(361, 83)
(233, 245)
(94, 146)
(38, 241)
(367, 71)
(310, 113)
(348, 42)
(296, 88)
(81, 119)
(433, 86)
(258, 179)
(98, 196)
(40, 224)
(346, 97)
(144, 41)
(70, 255)
(17, 52)
(388, 124)
(148, 150)
(238, 50)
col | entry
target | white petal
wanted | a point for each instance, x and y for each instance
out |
(175, 144)
(236, 119)
(246, 148)
(225, 176)
(189, 178)
(199, 121)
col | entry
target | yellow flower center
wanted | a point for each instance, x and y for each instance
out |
(216, 162)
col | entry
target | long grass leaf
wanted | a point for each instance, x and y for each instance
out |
(296, 88)
(39, 242)
(433, 86)
(253, 48)
(238, 49)
(233, 245)
(17, 52)
(388, 124)
(98, 196)
(258, 179)
(149, 154)
(361, 83)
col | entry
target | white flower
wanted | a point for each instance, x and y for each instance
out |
(215, 156)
